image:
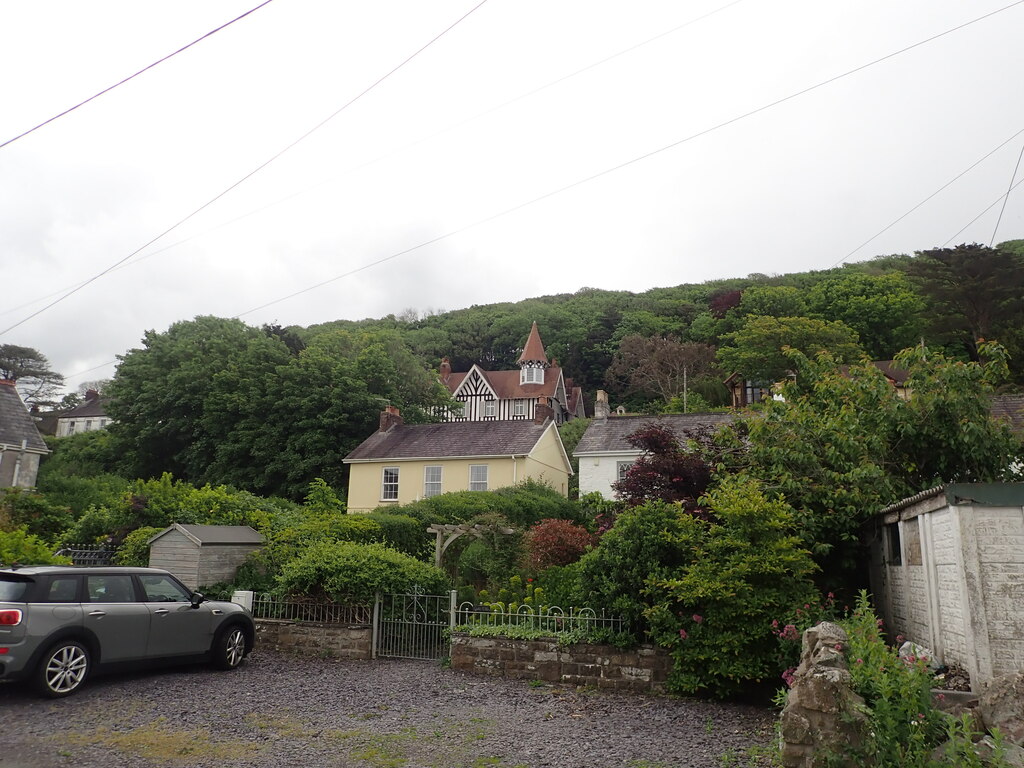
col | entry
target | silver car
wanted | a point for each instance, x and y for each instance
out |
(59, 624)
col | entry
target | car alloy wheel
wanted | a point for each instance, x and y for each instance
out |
(64, 669)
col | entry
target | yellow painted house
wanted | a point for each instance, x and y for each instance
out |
(402, 462)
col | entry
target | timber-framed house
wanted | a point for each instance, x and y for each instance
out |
(514, 395)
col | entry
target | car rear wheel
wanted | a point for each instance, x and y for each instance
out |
(229, 648)
(63, 669)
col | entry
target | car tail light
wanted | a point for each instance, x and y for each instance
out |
(3, 651)
(10, 617)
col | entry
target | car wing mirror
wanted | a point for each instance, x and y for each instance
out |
(197, 598)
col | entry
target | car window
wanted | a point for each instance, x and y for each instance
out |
(12, 590)
(162, 589)
(110, 589)
(62, 589)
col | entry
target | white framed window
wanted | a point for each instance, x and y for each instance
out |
(519, 408)
(530, 375)
(88, 425)
(490, 408)
(621, 468)
(389, 484)
(431, 481)
(478, 477)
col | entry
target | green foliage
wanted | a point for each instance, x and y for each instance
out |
(78, 492)
(570, 433)
(404, 534)
(562, 585)
(756, 350)
(714, 614)
(904, 725)
(341, 570)
(487, 560)
(87, 454)
(20, 546)
(134, 550)
(565, 637)
(844, 444)
(33, 512)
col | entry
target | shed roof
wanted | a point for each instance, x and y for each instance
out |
(451, 440)
(16, 423)
(215, 534)
(1009, 408)
(609, 435)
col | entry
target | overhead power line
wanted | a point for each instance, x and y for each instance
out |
(253, 172)
(990, 206)
(949, 183)
(1006, 197)
(366, 164)
(633, 161)
(132, 77)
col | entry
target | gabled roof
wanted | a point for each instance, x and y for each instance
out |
(1010, 409)
(90, 407)
(533, 352)
(609, 435)
(451, 440)
(214, 534)
(506, 386)
(16, 425)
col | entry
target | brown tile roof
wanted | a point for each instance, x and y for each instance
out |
(534, 349)
(609, 435)
(15, 422)
(506, 383)
(450, 440)
(1009, 408)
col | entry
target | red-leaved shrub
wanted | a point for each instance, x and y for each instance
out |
(555, 542)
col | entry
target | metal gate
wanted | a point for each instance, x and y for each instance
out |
(413, 625)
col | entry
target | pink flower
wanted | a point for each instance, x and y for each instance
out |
(831, 596)
(682, 634)
(899, 638)
(790, 633)
(880, 623)
(839, 646)
(775, 623)
(806, 606)
(789, 677)
(698, 618)
(860, 661)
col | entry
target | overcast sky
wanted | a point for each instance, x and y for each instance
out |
(453, 150)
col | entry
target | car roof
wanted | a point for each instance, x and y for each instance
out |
(39, 570)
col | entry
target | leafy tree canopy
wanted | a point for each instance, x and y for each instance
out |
(30, 370)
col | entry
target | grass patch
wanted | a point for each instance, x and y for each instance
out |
(156, 741)
(285, 726)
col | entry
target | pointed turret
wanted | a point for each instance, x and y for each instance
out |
(533, 352)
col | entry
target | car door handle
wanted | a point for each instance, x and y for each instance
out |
(161, 611)
(216, 611)
(97, 613)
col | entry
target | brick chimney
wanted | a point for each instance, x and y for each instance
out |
(389, 418)
(601, 407)
(91, 394)
(543, 411)
(445, 370)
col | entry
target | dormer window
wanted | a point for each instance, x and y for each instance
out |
(531, 375)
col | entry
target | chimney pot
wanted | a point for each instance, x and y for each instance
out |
(601, 408)
(389, 418)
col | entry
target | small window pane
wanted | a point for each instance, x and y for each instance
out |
(389, 487)
(489, 409)
(160, 589)
(431, 481)
(63, 589)
(622, 468)
(110, 589)
(520, 408)
(478, 477)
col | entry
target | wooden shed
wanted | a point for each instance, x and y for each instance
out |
(203, 554)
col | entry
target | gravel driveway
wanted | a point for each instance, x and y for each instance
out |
(279, 710)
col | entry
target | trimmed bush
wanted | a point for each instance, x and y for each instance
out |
(555, 542)
(341, 570)
(134, 550)
(404, 533)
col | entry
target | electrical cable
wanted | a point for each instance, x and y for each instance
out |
(1007, 196)
(933, 194)
(991, 205)
(628, 163)
(132, 77)
(377, 159)
(253, 172)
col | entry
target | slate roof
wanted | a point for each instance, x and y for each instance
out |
(88, 408)
(1009, 408)
(506, 383)
(451, 440)
(215, 534)
(609, 435)
(15, 422)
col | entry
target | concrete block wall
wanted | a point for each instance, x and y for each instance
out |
(642, 670)
(319, 640)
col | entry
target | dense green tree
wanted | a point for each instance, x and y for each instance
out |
(884, 310)
(757, 349)
(30, 370)
(772, 300)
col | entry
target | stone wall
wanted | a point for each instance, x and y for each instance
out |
(320, 640)
(642, 669)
